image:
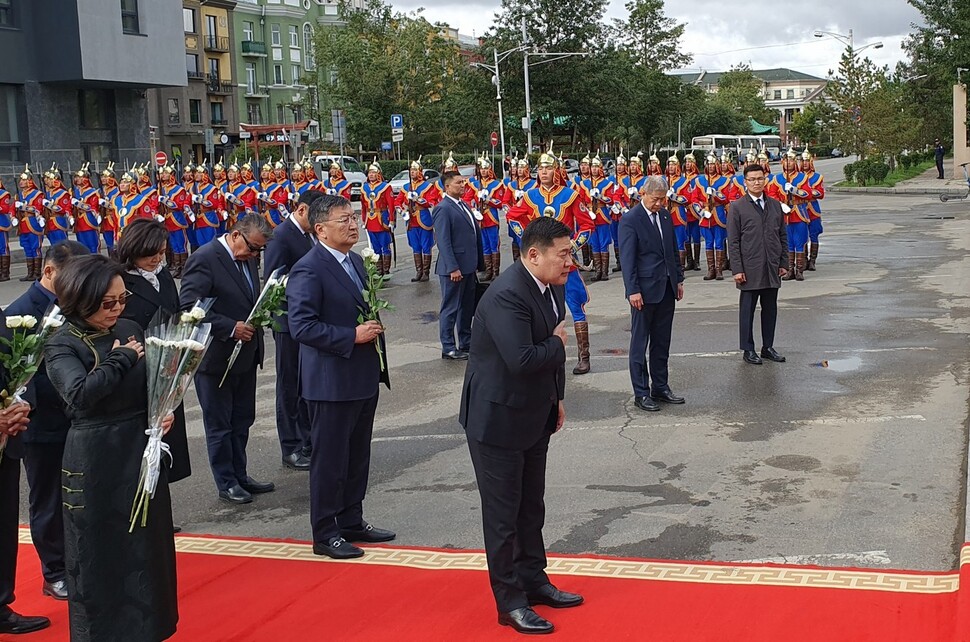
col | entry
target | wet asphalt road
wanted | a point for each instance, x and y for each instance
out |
(861, 463)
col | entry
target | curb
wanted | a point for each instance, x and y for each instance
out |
(900, 191)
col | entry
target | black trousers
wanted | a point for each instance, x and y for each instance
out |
(457, 311)
(9, 522)
(650, 329)
(939, 166)
(42, 461)
(512, 485)
(340, 432)
(769, 316)
(227, 414)
(292, 418)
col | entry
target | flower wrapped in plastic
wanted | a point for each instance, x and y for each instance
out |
(24, 353)
(372, 287)
(268, 307)
(173, 354)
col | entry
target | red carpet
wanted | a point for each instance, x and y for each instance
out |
(256, 590)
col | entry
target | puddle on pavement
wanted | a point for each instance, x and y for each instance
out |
(840, 365)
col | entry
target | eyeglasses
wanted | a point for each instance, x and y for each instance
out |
(346, 220)
(256, 249)
(756, 179)
(111, 304)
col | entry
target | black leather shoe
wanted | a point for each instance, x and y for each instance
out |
(255, 487)
(367, 534)
(296, 461)
(750, 356)
(15, 623)
(235, 495)
(666, 396)
(549, 595)
(56, 590)
(455, 355)
(525, 620)
(770, 354)
(338, 548)
(646, 403)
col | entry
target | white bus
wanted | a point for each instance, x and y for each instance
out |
(738, 145)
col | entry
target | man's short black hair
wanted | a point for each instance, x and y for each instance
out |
(61, 252)
(447, 177)
(308, 196)
(542, 233)
(82, 284)
(320, 208)
(753, 167)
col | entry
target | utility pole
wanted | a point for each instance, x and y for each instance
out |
(528, 107)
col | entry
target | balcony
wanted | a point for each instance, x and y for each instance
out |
(219, 122)
(216, 43)
(196, 75)
(216, 86)
(253, 48)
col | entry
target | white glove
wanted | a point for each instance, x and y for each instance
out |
(406, 216)
(785, 208)
(225, 216)
(19, 205)
(789, 188)
(102, 202)
(41, 221)
(14, 219)
(285, 211)
(124, 212)
(169, 202)
(706, 214)
(291, 196)
(70, 220)
(207, 203)
(74, 201)
(98, 219)
(197, 198)
(615, 209)
(670, 192)
(159, 218)
(331, 191)
(191, 218)
(709, 191)
(47, 202)
(482, 194)
(594, 193)
(519, 194)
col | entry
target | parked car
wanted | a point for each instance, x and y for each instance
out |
(402, 177)
(837, 153)
(353, 171)
(571, 166)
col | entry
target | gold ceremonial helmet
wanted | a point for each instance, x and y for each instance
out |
(689, 158)
(620, 158)
(585, 159)
(374, 167)
(26, 175)
(807, 155)
(126, 178)
(711, 159)
(524, 161)
(335, 165)
(268, 165)
(450, 164)
(200, 167)
(218, 167)
(673, 160)
(109, 170)
(308, 164)
(53, 172)
(548, 159)
(656, 159)
(141, 170)
(483, 162)
(233, 168)
(763, 154)
(791, 153)
(596, 162)
(248, 165)
(637, 159)
(83, 172)
(166, 170)
(416, 164)
(279, 165)
(752, 155)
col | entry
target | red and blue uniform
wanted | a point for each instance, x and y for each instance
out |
(209, 217)
(109, 220)
(277, 201)
(130, 207)
(714, 193)
(681, 197)
(340, 187)
(495, 199)
(816, 186)
(517, 188)
(87, 204)
(178, 216)
(8, 219)
(795, 184)
(377, 210)
(58, 204)
(32, 223)
(242, 199)
(600, 207)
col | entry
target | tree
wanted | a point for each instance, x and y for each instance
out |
(651, 37)
(740, 90)
(809, 124)
(848, 89)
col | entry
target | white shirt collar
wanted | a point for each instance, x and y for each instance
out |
(455, 200)
(542, 286)
(337, 254)
(297, 223)
(225, 243)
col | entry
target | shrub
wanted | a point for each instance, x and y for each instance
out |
(863, 171)
(906, 161)
(878, 171)
(848, 170)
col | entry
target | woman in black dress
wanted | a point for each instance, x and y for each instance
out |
(151, 292)
(121, 585)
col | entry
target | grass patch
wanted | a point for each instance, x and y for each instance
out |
(896, 176)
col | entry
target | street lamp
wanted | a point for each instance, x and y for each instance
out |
(499, 57)
(848, 40)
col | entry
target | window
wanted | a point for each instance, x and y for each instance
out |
(214, 69)
(296, 74)
(251, 78)
(98, 154)
(248, 30)
(274, 31)
(333, 77)
(789, 94)
(277, 74)
(195, 112)
(188, 20)
(777, 94)
(6, 13)
(255, 114)
(280, 114)
(215, 110)
(129, 16)
(95, 108)
(210, 25)
(173, 111)
(192, 64)
(11, 107)
(308, 61)
(294, 36)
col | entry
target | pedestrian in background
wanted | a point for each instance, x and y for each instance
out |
(940, 150)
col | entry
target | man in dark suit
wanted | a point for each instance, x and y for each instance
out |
(226, 270)
(511, 403)
(459, 241)
(758, 239)
(291, 240)
(13, 421)
(340, 373)
(43, 442)
(654, 281)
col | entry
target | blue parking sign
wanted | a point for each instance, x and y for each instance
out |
(397, 121)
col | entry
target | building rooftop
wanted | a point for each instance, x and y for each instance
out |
(766, 75)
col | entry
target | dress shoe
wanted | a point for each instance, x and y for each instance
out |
(549, 595)
(176, 528)
(367, 534)
(235, 495)
(338, 548)
(646, 403)
(750, 356)
(525, 620)
(56, 590)
(666, 396)
(296, 461)
(770, 354)
(255, 487)
(15, 623)
(455, 355)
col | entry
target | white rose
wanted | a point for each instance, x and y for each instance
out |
(14, 321)
(367, 254)
(197, 313)
(29, 322)
(284, 280)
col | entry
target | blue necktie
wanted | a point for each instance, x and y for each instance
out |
(243, 269)
(352, 273)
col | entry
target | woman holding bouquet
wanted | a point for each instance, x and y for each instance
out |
(152, 290)
(121, 585)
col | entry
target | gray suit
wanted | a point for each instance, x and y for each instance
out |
(758, 246)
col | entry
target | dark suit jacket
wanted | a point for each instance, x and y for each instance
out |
(288, 246)
(459, 242)
(757, 243)
(210, 272)
(650, 264)
(323, 307)
(516, 374)
(48, 419)
(144, 302)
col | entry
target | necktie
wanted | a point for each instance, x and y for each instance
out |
(760, 204)
(308, 236)
(352, 273)
(241, 266)
(552, 302)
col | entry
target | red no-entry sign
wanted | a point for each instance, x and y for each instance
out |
(161, 158)
(494, 139)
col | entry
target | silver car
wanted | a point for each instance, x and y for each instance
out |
(355, 173)
(402, 177)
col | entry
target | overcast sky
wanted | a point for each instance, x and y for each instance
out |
(716, 29)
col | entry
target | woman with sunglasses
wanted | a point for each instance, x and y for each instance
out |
(153, 299)
(121, 585)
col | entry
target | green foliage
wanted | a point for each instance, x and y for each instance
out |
(809, 124)
(848, 171)
(650, 37)
(740, 91)
(270, 308)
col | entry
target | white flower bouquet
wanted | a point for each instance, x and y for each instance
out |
(24, 353)
(268, 306)
(173, 353)
(372, 287)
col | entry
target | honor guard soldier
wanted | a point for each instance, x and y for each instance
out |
(87, 206)
(57, 203)
(599, 190)
(109, 219)
(311, 175)
(621, 203)
(817, 188)
(636, 179)
(488, 199)
(577, 184)
(266, 186)
(565, 205)
(240, 195)
(415, 201)
(284, 189)
(378, 210)
(246, 173)
(654, 168)
(210, 208)
(791, 188)
(129, 204)
(30, 209)
(178, 219)
(693, 224)
(519, 185)
(336, 183)
(680, 195)
(219, 178)
(298, 180)
(275, 192)
(8, 218)
(714, 191)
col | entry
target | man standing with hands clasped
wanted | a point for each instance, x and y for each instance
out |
(654, 281)
(758, 246)
(511, 404)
